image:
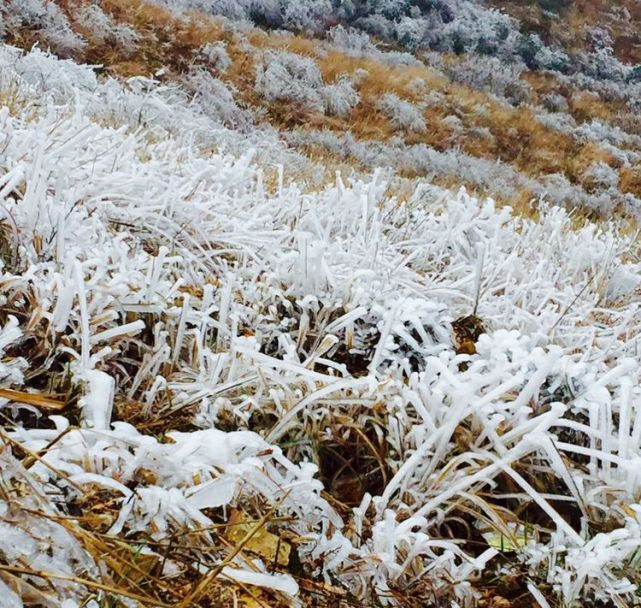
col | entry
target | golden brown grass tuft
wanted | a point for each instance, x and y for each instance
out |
(630, 180)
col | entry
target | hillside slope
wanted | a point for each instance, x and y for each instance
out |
(487, 103)
(238, 368)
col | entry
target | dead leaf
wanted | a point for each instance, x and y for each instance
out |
(270, 547)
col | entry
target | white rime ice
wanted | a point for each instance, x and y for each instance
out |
(131, 235)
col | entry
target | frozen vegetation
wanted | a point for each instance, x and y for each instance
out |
(229, 379)
(487, 88)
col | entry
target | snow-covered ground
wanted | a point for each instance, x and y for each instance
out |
(145, 269)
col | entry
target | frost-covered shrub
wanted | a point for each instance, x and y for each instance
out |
(375, 25)
(559, 121)
(459, 27)
(476, 29)
(602, 64)
(49, 21)
(288, 77)
(554, 102)
(306, 14)
(104, 29)
(411, 32)
(456, 127)
(599, 131)
(494, 76)
(607, 90)
(635, 74)
(215, 55)
(340, 98)
(622, 283)
(600, 38)
(236, 10)
(403, 114)
(549, 58)
(35, 70)
(536, 55)
(600, 176)
(357, 43)
(528, 49)
(632, 206)
(351, 41)
(557, 189)
(216, 99)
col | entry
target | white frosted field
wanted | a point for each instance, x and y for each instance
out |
(144, 266)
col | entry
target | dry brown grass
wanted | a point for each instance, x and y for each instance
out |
(630, 180)
(586, 106)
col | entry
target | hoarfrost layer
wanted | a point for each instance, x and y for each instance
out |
(146, 265)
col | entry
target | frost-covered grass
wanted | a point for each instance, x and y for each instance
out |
(214, 348)
(459, 117)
